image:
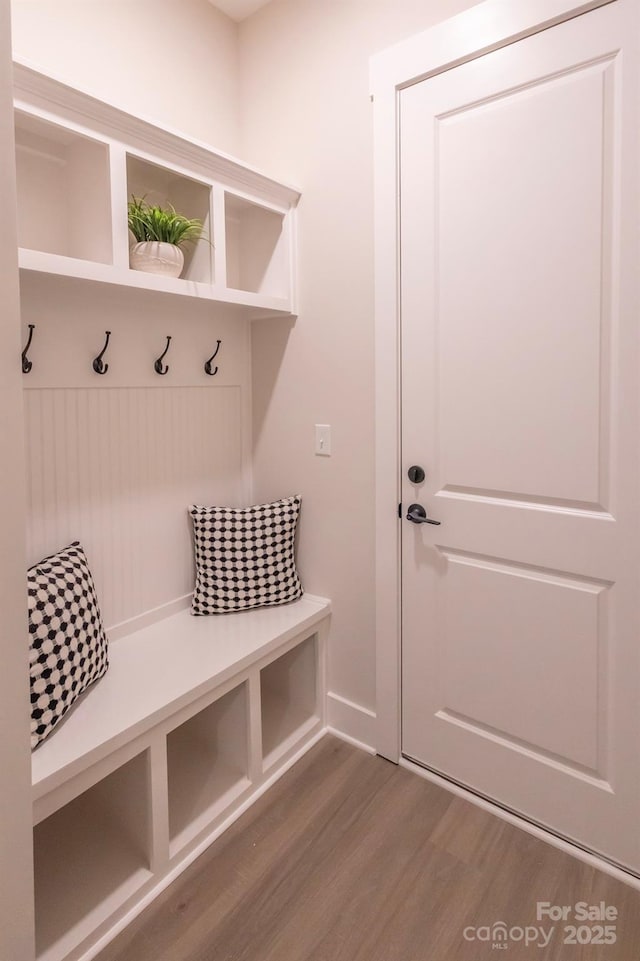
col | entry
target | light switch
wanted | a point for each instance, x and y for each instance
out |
(323, 440)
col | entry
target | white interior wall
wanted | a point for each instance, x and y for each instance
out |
(171, 62)
(306, 113)
(16, 877)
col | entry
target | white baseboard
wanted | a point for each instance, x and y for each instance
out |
(140, 621)
(351, 722)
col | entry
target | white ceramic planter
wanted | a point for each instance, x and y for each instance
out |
(157, 258)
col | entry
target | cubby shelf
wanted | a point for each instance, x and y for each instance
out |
(91, 857)
(78, 162)
(44, 263)
(195, 716)
(289, 700)
(207, 763)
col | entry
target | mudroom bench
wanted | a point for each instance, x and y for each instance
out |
(194, 718)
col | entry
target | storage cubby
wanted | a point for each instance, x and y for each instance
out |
(78, 162)
(162, 186)
(224, 680)
(288, 698)
(90, 856)
(257, 248)
(64, 198)
(207, 760)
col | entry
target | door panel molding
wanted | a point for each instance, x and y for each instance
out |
(571, 768)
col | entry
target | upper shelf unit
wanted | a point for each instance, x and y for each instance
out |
(78, 162)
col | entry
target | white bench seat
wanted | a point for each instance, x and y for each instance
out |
(156, 672)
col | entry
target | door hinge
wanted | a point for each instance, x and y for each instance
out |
(400, 510)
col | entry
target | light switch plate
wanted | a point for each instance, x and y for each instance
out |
(323, 440)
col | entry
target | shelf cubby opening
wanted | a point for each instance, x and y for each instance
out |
(90, 857)
(207, 758)
(64, 194)
(257, 248)
(162, 186)
(288, 699)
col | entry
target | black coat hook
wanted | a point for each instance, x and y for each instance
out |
(159, 367)
(207, 366)
(98, 365)
(26, 363)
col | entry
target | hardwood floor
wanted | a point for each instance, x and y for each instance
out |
(350, 858)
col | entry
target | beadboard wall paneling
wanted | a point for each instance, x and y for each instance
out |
(116, 468)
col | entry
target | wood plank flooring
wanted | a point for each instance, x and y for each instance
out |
(350, 858)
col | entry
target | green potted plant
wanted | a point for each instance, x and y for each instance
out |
(159, 234)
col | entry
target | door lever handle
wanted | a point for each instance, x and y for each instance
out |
(418, 515)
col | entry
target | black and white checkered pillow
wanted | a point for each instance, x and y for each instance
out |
(245, 556)
(68, 645)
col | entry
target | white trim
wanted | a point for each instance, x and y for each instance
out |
(140, 621)
(601, 864)
(53, 99)
(485, 27)
(351, 740)
(387, 421)
(351, 722)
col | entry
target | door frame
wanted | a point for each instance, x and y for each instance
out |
(477, 31)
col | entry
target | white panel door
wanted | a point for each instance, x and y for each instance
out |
(519, 266)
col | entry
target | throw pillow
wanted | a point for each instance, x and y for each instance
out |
(245, 556)
(68, 644)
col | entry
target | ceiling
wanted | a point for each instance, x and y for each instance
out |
(238, 9)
